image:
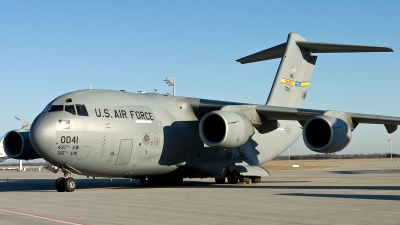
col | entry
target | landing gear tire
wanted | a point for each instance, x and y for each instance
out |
(70, 184)
(220, 180)
(256, 179)
(244, 179)
(232, 180)
(60, 186)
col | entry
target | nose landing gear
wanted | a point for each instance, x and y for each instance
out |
(60, 184)
(66, 183)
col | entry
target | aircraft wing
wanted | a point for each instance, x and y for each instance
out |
(268, 113)
(286, 113)
(4, 158)
(302, 115)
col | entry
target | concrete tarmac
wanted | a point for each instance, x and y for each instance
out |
(356, 192)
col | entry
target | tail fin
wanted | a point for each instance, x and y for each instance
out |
(296, 67)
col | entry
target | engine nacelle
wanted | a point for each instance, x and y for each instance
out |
(225, 129)
(17, 145)
(326, 134)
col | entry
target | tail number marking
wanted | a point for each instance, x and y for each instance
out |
(69, 139)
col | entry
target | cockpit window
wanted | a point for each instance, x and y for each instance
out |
(48, 106)
(70, 109)
(46, 109)
(81, 109)
(56, 108)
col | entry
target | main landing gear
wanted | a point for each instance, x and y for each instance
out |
(66, 183)
(235, 180)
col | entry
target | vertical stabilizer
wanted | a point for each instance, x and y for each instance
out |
(297, 64)
(294, 74)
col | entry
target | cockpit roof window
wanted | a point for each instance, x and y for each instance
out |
(81, 109)
(56, 108)
(70, 109)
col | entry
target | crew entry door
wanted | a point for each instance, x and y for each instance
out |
(125, 152)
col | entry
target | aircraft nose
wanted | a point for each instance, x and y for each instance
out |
(43, 133)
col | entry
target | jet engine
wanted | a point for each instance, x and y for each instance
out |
(17, 145)
(326, 134)
(225, 129)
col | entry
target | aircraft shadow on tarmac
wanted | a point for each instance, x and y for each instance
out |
(364, 171)
(347, 196)
(15, 185)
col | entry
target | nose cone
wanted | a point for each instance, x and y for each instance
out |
(43, 133)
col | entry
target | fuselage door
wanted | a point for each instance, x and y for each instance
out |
(125, 152)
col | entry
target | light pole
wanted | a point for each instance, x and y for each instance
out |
(171, 82)
(390, 140)
(20, 161)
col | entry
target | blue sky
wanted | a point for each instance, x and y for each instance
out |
(48, 48)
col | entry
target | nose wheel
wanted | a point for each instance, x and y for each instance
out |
(60, 186)
(65, 184)
(70, 184)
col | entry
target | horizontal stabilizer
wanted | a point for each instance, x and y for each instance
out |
(313, 47)
(271, 53)
(320, 47)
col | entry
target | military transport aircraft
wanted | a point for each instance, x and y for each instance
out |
(162, 138)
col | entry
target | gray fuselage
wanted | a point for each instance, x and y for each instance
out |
(124, 134)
